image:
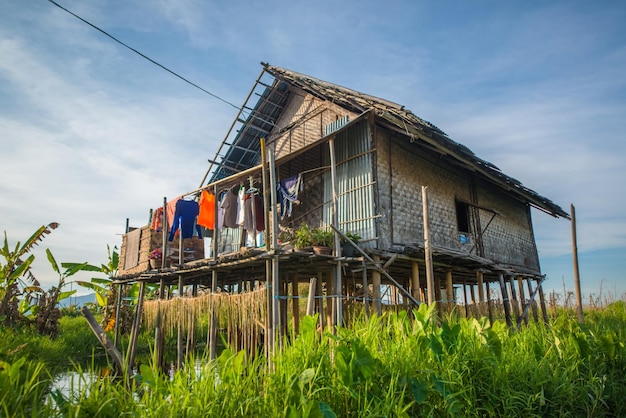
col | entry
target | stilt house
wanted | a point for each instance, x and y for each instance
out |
(434, 220)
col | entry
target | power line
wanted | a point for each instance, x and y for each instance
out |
(145, 56)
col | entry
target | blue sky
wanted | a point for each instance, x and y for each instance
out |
(92, 134)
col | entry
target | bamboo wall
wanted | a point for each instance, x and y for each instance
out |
(402, 168)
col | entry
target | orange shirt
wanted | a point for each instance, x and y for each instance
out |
(206, 217)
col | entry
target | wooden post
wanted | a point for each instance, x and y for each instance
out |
(450, 302)
(488, 300)
(465, 299)
(179, 339)
(522, 297)
(428, 261)
(542, 303)
(164, 235)
(136, 325)
(320, 302)
(534, 305)
(516, 309)
(376, 288)
(295, 316)
(116, 356)
(213, 325)
(505, 301)
(118, 309)
(438, 297)
(474, 304)
(366, 291)
(415, 280)
(481, 293)
(329, 299)
(579, 302)
(310, 303)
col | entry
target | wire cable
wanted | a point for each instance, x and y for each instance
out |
(145, 56)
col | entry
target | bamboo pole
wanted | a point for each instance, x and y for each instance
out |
(465, 299)
(136, 325)
(164, 235)
(269, 326)
(428, 260)
(275, 263)
(320, 301)
(337, 242)
(579, 303)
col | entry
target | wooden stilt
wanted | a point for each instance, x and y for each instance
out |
(337, 242)
(213, 322)
(542, 303)
(465, 301)
(366, 291)
(439, 299)
(376, 288)
(488, 300)
(505, 301)
(118, 310)
(295, 316)
(579, 302)
(415, 280)
(481, 293)
(310, 303)
(428, 261)
(514, 302)
(132, 346)
(179, 337)
(522, 297)
(475, 311)
(116, 356)
(450, 302)
(321, 301)
(534, 304)
(329, 300)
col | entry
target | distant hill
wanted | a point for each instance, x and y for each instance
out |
(78, 301)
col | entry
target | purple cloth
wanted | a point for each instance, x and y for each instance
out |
(288, 190)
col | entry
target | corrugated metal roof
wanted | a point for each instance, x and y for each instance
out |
(243, 152)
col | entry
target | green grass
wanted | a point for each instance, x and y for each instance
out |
(401, 364)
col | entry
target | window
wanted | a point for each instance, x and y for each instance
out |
(462, 216)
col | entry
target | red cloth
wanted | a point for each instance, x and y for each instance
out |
(206, 217)
(171, 210)
(157, 219)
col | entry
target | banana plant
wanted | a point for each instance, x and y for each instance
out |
(17, 277)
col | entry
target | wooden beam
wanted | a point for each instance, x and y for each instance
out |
(116, 356)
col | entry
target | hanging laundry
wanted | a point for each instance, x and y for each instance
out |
(156, 224)
(206, 215)
(288, 190)
(185, 218)
(229, 204)
(171, 210)
(257, 214)
(241, 210)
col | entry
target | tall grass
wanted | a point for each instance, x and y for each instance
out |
(401, 364)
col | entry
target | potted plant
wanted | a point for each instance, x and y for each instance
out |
(303, 238)
(323, 241)
(347, 250)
